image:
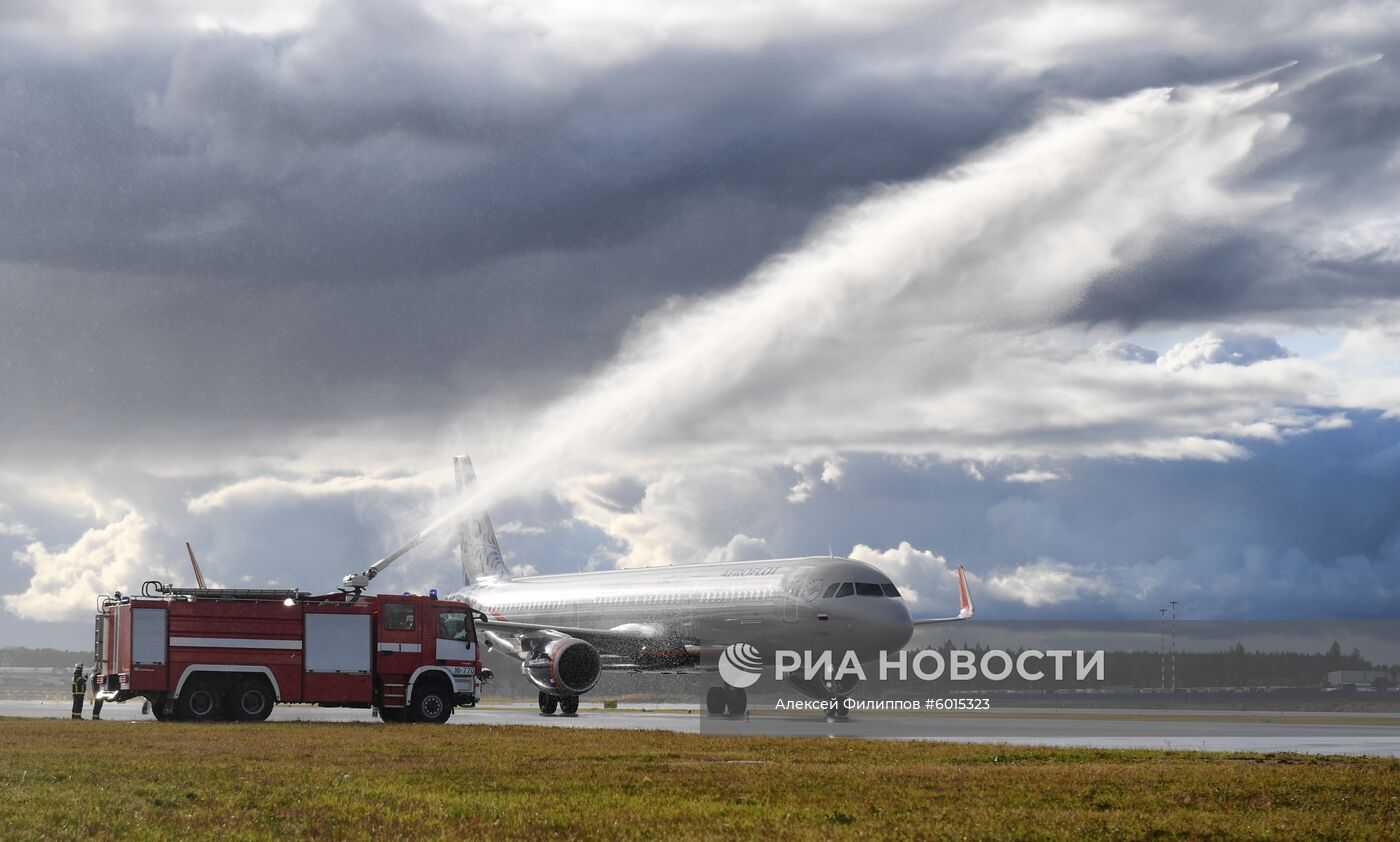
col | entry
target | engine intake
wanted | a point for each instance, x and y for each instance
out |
(564, 667)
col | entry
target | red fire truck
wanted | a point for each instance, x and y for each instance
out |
(214, 654)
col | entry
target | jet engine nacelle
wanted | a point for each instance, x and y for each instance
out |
(564, 667)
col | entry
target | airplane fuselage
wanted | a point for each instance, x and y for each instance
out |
(688, 610)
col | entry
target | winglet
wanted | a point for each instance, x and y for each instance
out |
(964, 609)
(963, 595)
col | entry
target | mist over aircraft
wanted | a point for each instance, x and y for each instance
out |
(566, 630)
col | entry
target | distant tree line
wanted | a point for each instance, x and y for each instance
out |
(23, 656)
(1233, 668)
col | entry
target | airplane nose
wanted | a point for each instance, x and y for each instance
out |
(898, 624)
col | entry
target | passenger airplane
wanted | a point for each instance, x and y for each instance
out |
(566, 629)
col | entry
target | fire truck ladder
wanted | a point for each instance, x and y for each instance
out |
(154, 588)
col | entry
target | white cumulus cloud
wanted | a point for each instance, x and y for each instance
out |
(1046, 582)
(920, 575)
(65, 582)
(1222, 346)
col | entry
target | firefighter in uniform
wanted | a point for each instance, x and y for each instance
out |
(96, 699)
(79, 688)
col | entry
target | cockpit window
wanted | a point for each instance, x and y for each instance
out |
(841, 589)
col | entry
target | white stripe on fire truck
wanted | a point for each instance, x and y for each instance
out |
(400, 647)
(235, 643)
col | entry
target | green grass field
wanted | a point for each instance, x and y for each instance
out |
(61, 779)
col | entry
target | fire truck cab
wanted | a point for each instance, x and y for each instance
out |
(207, 654)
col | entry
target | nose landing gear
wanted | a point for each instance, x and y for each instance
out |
(836, 711)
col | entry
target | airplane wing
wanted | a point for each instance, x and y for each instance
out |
(631, 646)
(966, 599)
(631, 635)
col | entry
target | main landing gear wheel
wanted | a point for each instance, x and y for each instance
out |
(568, 705)
(548, 704)
(730, 701)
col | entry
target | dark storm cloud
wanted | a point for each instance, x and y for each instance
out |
(381, 144)
(199, 213)
(1342, 151)
(378, 146)
(1221, 273)
(238, 232)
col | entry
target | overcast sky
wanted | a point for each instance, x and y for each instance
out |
(1096, 299)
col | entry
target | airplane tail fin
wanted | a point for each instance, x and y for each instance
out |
(481, 552)
(965, 608)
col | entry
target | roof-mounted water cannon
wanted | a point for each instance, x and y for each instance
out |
(355, 582)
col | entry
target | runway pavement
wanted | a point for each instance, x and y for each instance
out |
(1229, 731)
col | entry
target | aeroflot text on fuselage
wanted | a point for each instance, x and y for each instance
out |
(930, 665)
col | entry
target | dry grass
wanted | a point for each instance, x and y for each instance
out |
(342, 780)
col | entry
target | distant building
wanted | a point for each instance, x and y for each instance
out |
(1376, 679)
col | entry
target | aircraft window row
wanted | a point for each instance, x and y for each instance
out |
(650, 599)
(840, 589)
(533, 606)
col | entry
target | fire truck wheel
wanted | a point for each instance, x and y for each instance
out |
(548, 704)
(568, 705)
(431, 703)
(158, 711)
(200, 701)
(250, 700)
